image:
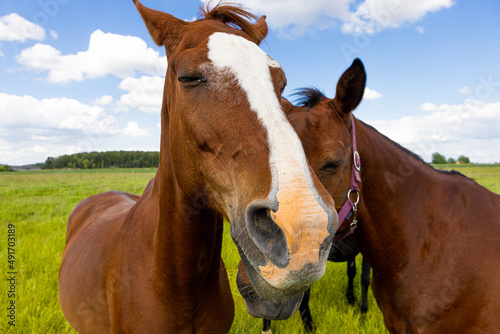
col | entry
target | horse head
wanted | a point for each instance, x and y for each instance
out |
(227, 140)
(325, 130)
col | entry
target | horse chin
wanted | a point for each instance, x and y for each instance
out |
(266, 291)
(259, 307)
(262, 308)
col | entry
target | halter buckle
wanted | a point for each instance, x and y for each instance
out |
(354, 224)
(357, 197)
(357, 160)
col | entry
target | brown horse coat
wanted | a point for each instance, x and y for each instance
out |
(151, 264)
(432, 238)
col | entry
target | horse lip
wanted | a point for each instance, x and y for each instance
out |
(259, 307)
(263, 289)
(276, 312)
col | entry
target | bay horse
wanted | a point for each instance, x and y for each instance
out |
(152, 264)
(431, 237)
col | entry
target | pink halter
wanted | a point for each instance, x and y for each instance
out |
(349, 209)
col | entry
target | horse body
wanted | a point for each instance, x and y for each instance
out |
(152, 264)
(127, 282)
(432, 238)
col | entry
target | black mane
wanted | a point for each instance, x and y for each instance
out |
(308, 97)
(452, 172)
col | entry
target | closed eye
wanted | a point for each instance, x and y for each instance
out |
(189, 81)
(332, 166)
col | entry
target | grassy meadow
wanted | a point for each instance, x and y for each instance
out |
(38, 204)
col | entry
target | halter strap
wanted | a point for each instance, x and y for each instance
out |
(349, 209)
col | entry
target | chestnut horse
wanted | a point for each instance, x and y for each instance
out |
(431, 237)
(152, 264)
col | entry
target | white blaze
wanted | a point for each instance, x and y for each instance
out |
(250, 65)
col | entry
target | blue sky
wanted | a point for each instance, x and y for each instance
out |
(86, 76)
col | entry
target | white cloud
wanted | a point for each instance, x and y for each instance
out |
(31, 152)
(420, 30)
(465, 90)
(14, 28)
(296, 17)
(107, 54)
(27, 112)
(371, 94)
(32, 129)
(103, 100)
(133, 130)
(54, 34)
(452, 126)
(372, 16)
(428, 106)
(144, 93)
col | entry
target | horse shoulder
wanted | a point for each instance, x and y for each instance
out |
(101, 207)
(86, 274)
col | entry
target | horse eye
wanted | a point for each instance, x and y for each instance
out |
(189, 81)
(331, 166)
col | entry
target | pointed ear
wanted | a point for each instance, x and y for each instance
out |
(350, 88)
(261, 26)
(164, 28)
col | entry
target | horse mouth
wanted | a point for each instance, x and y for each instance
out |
(263, 289)
(259, 307)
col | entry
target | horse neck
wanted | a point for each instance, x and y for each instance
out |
(187, 235)
(389, 215)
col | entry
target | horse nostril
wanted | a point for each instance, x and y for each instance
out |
(267, 235)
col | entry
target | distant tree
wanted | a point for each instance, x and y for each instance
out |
(451, 161)
(49, 163)
(438, 158)
(86, 163)
(463, 159)
(6, 168)
(110, 159)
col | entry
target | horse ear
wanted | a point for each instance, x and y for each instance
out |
(261, 26)
(350, 88)
(164, 28)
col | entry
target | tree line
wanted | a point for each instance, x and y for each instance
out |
(110, 159)
(438, 158)
(5, 168)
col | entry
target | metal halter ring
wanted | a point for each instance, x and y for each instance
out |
(355, 162)
(357, 196)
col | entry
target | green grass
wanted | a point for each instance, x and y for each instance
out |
(38, 204)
